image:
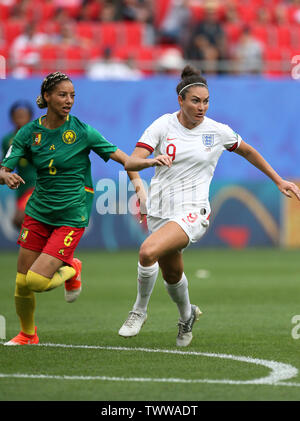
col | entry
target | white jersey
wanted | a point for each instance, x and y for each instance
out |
(195, 153)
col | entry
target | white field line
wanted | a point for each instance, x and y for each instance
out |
(278, 371)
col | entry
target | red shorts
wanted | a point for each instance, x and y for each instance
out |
(59, 242)
(22, 201)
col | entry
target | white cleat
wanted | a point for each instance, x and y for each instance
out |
(133, 324)
(73, 286)
(71, 296)
(185, 335)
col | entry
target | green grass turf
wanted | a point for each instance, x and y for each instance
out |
(248, 301)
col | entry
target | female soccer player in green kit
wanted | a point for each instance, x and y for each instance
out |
(58, 144)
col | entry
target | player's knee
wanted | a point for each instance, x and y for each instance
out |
(21, 286)
(36, 282)
(172, 276)
(147, 255)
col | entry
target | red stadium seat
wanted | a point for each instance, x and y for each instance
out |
(132, 33)
(73, 60)
(233, 31)
(85, 30)
(261, 33)
(12, 28)
(160, 8)
(47, 11)
(283, 35)
(4, 12)
(144, 59)
(49, 58)
(295, 37)
(273, 61)
(123, 52)
(107, 34)
(72, 11)
(48, 27)
(143, 56)
(288, 54)
(94, 9)
(197, 12)
(92, 52)
(247, 12)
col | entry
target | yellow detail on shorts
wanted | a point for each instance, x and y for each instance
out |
(68, 239)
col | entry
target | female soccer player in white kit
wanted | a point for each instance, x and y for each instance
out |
(186, 146)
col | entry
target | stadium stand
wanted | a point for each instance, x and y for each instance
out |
(130, 28)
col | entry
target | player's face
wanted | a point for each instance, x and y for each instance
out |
(21, 116)
(61, 99)
(194, 106)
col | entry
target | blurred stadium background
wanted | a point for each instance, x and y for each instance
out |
(125, 58)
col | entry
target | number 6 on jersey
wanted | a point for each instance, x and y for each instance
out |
(52, 169)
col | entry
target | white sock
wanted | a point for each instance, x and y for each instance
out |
(146, 280)
(180, 295)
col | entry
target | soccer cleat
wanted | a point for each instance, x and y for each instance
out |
(73, 285)
(185, 335)
(24, 339)
(133, 324)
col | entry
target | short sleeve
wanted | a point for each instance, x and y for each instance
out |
(231, 139)
(152, 135)
(4, 146)
(16, 151)
(99, 144)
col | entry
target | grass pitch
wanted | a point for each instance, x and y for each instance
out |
(248, 299)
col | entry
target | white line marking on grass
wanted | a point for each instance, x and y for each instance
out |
(279, 371)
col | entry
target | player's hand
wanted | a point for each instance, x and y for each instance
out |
(287, 187)
(161, 160)
(12, 180)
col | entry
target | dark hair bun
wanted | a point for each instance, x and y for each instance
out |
(189, 71)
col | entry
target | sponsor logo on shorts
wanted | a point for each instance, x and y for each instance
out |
(69, 137)
(62, 252)
(23, 235)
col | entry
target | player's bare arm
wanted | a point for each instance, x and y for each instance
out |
(255, 158)
(139, 160)
(122, 157)
(12, 180)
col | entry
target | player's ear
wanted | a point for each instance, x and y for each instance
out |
(46, 96)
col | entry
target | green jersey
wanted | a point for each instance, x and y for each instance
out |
(64, 191)
(24, 168)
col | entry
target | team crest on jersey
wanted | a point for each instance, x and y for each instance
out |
(69, 137)
(37, 137)
(208, 140)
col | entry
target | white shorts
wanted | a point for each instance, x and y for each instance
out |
(194, 224)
